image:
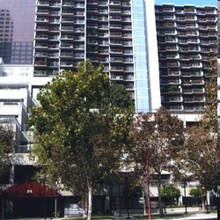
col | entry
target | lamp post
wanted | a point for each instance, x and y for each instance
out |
(146, 156)
(148, 187)
(2, 203)
(184, 184)
(119, 198)
(43, 180)
(127, 191)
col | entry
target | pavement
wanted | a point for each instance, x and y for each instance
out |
(194, 213)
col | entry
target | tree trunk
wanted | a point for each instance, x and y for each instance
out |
(160, 205)
(144, 195)
(204, 193)
(203, 204)
(90, 193)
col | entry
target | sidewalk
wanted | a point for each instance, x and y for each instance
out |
(194, 213)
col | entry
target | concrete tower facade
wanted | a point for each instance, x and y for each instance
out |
(187, 40)
(104, 31)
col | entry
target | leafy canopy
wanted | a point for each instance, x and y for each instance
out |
(7, 146)
(170, 191)
(81, 126)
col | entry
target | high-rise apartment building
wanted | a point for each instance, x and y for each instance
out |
(110, 32)
(17, 31)
(187, 40)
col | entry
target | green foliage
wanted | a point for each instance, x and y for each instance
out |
(156, 136)
(81, 127)
(170, 191)
(7, 146)
(209, 121)
(156, 139)
(196, 192)
(200, 156)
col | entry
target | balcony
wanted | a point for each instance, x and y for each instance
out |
(78, 38)
(173, 99)
(169, 33)
(67, 29)
(92, 2)
(171, 56)
(173, 73)
(171, 48)
(54, 29)
(66, 54)
(67, 37)
(114, 11)
(197, 82)
(53, 46)
(42, 20)
(129, 87)
(54, 13)
(116, 69)
(115, 3)
(67, 20)
(53, 55)
(68, 4)
(168, 9)
(78, 47)
(41, 36)
(41, 54)
(42, 3)
(115, 26)
(55, 5)
(42, 46)
(116, 60)
(192, 91)
(115, 34)
(128, 60)
(40, 73)
(172, 64)
(117, 78)
(127, 35)
(192, 74)
(66, 64)
(92, 42)
(103, 51)
(40, 63)
(116, 51)
(165, 81)
(42, 28)
(115, 18)
(42, 11)
(193, 100)
(67, 12)
(189, 10)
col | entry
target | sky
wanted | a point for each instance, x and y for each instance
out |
(191, 2)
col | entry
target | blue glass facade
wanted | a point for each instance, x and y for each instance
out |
(142, 91)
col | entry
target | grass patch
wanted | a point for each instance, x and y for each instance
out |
(165, 216)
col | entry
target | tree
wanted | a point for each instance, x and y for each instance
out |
(7, 146)
(156, 138)
(196, 193)
(81, 127)
(170, 192)
(200, 156)
(6, 151)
